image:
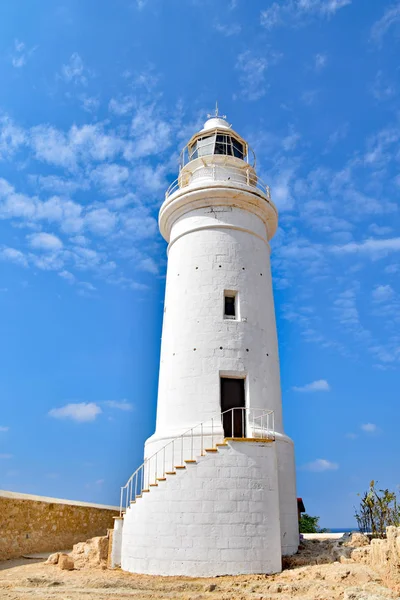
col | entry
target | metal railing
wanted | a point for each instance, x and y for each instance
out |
(221, 173)
(235, 423)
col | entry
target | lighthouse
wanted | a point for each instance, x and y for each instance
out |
(216, 493)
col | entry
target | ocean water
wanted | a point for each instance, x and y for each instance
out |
(342, 529)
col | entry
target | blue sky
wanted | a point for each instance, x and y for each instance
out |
(96, 100)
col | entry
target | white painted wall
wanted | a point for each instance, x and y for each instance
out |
(219, 516)
(116, 547)
(202, 263)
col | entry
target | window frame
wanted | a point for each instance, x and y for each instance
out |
(231, 294)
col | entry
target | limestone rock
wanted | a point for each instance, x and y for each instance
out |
(360, 594)
(361, 555)
(65, 562)
(93, 552)
(357, 540)
(53, 559)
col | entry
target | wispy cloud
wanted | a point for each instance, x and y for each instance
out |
(45, 241)
(21, 54)
(3, 429)
(294, 11)
(227, 29)
(5, 456)
(320, 385)
(390, 18)
(252, 75)
(74, 71)
(369, 427)
(14, 256)
(320, 61)
(320, 465)
(370, 247)
(119, 405)
(382, 293)
(81, 412)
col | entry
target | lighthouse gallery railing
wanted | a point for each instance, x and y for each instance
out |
(218, 172)
(235, 423)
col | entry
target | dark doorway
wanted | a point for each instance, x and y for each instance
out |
(232, 396)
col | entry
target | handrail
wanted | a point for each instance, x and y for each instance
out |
(159, 464)
(218, 172)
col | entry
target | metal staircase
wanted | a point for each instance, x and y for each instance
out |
(251, 424)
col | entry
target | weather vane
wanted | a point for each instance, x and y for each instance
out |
(210, 116)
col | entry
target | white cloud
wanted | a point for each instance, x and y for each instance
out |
(121, 107)
(290, 141)
(382, 293)
(252, 71)
(12, 137)
(67, 276)
(101, 221)
(294, 11)
(5, 456)
(321, 385)
(228, 29)
(380, 229)
(152, 135)
(21, 54)
(320, 61)
(390, 18)
(149, 265)
(45, 241)
(110, 176)
(372, 247)
(14, 256)
(3, 429)
(319, 465)
(369, 427)
(74, 71)
(119, 405)
(81, 412)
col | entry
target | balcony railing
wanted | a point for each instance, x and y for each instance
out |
(234, 424)
(218, 173)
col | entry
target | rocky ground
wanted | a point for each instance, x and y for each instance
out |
(316, 573)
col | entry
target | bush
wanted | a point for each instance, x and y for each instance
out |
(309, 524)
(378, 509)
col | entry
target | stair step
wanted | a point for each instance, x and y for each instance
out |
(211, 449)
(138, 496)
(162, 478)
(153, 484)
(170, 473)
(133, 501)
(143, 491)
(191, 461)
(180, 467)
(222, 444)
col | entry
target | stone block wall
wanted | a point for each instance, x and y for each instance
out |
(219, 516)
(31, 524)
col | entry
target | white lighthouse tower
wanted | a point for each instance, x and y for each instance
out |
(216, 493)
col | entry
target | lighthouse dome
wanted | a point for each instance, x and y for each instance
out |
(215, 122)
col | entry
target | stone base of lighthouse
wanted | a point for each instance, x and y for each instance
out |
(218, 516)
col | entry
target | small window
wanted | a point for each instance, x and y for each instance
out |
(230, 306)
(238, 149)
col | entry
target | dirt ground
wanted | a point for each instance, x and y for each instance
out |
(313, 574)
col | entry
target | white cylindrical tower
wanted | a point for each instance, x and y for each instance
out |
(219, 345)
(216, 494)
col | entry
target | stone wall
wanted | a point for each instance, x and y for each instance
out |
(31, 524)
(219, 516)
